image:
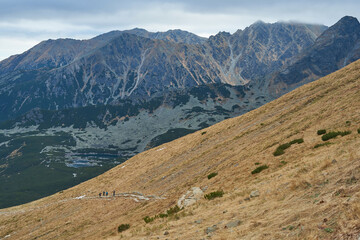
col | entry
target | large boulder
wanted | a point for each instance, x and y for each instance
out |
(190, 197)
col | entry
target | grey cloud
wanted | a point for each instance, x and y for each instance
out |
(78, 10)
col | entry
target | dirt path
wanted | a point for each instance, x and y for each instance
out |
(136, 196)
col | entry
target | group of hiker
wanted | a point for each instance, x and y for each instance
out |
(105, 194)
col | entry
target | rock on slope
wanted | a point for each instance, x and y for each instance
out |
(309, 193)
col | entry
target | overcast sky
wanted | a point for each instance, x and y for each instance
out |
(24, 23)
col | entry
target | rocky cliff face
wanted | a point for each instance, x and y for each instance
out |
(260, 49)
(333, 49)
(137, 64)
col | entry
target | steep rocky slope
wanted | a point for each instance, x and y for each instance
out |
(260, 49)
(306, 193)
(333, 49)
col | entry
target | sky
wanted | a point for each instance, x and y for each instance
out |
(25, 23)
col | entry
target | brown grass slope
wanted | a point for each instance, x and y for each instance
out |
(306, 193)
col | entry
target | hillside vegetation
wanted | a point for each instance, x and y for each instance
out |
(304, 193)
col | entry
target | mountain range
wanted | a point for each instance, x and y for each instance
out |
(66, 73)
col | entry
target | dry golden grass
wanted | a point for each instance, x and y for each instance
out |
(304, 194)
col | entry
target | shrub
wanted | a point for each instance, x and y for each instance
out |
(173, 210)
(213, 195)
(257, 163)
(281, 149)
(123, 227)
(328, 230)
(283, 163)
(203, 133)
(345, 133)
(148, 219)
(163, 215)
(298, 141)
(278, 152)
(359, 130)
(321, 132)
(211, 175)
(331, 135)
(322, 144)
(169, 212)
(259, 169)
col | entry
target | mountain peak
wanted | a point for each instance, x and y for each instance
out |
(348, 20)
(333, 49)
(346, 24)
(258, 22)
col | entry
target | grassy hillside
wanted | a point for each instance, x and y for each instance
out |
(304, 192)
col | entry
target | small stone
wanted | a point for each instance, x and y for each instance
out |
(225, 211)
(166, 233)
(233, 224)
(333, 161)
(211, 229)
(247, 199)
(254, 194)
(198, 221)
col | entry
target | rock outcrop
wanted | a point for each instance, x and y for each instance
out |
(190, 197)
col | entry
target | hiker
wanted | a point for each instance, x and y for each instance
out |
(106, 193)
(99, 194)
(114, 193)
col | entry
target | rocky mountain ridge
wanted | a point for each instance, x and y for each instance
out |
(333, 49)
(121, 65)
(51, 53)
